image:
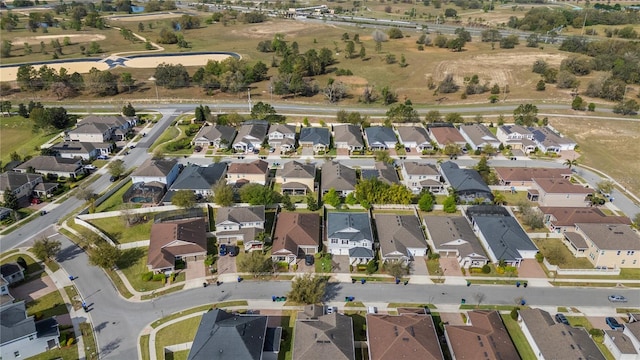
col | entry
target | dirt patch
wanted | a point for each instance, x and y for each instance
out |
(269, 28)
(353, 80)
(83, 67)
(185, 60)
(495, 68)
(75, 38)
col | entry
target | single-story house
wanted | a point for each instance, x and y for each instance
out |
(452, 236)
(52, 166)
(216, 136)
(319, 336)
(445, 135)
(200, 179)
(250, 136)
(339, 177)
(296, 178)
(549, 141)
(484, 333)
(295, 235)
(467, 183)
(516, 137)
(414, 137)
(478, 136)
(348, 136)
(405, 336)
(184, 240)
(83, 150)
(380, 138)
(400, 237)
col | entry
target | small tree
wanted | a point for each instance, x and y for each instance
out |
(307, 289)
(286, 203)
(184, 199)
(45, 249)
(312, 203)
(116, 168)
(83, 193)
(222, 193)
(449, 204)
(255, 263)
(104, 255)
(256, 194)
(605, 186)
(397, 269)
(426, 202)
(10, 200)
(128, 110)
(332, 198)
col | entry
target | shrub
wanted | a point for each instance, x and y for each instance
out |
(63, 338)
(147, 276)
(539, 257)
(596, 332)
(70, 341)
(514, 313)
(486, 269)
(158, 277)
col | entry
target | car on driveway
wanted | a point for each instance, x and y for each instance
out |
(233, 251)
(223, 249)
(561, 319)
(309, 259)
(102, 157)
(614, 324)
(617, 298)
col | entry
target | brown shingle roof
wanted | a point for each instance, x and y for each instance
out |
(176, 238)
(487, 335)
(406, 336)
(155, 167)
(561, 186)
(611, 236)
(296, 229)
(569, 216)
(324, 337)
(527, 174)
(447, 135)
(51, 163)
(254, 167)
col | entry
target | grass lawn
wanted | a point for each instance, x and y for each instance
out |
(8, 252)
(558, 254)
(33, 267)
(133, 264)
(64, 353)
(89, 340)
(515, 198)
(359, 326)
(410, 305)
(178, 355)
(144, 347)
(114, 201)
(288, 322)
(323, 263)
(433, 266)
(48, 306)
(521, 343)
(168, 135)
(115, 228)
(16, 135)
(178, 333)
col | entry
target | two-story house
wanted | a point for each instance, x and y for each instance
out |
(21, 336)
(82, 150)
(21, 185)
(296, 178)
(98, 133)
(282, 137)
(478, 136)
(558, 192)
(605, 245)
(241, 224)
(517, 137)
(250, 136)
(350, 234)
(248, 172)
(109, 128)
(164, 171)
(216, 136)
(414, 137)
(419, 176)
(317, 138)
(380, 138)
(348, 136)
(200, 179)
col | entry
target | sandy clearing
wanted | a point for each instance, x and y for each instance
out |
(185, 60)
(77, 38)
(499, 68)
(145, 17)
(268, 29)
(10, 73)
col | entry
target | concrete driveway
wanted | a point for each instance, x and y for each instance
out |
(340, 264)
(530, 268)
(450, 266)
(303, 268)
(226, 264)
(419, 266)
(195, 270)
(34, 289)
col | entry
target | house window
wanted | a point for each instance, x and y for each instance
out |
(618, 253)
(345, 242)
(334, 241)
(630, 252)
(602, 252)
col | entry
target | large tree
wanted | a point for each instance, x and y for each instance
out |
(255, 263)
(256, 194)
(116, 168)
(332, 198)
(307, 289)
(222, 193)
(526, 114)
(10, 200)
(104, 255)
(184, 199)
(46, 249)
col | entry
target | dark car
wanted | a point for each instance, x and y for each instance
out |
(223, 250)
(560, 318)
(614, 324)
(309, 259)
(43, 213)
(233, 251)
(113, 178)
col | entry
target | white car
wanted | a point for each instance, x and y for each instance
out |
(90, 167)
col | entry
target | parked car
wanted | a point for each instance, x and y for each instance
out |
(102, 157)
(233, 251)
(617, 298)
(43, 213)
(560, 318)
(330, 309)
(90, 167)
(309, 259)
(223, 250)
(35, 201)
(113, 178)
(614, 324)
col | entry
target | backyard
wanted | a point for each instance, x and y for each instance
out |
(116, 229)
(133, 264)
(114, 202)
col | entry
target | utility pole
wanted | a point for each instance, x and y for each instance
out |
(249, 98)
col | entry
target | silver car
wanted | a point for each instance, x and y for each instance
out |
(617, 298)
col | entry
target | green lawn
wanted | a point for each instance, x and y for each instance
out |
(114, 201)
(168, 135)
(323, 263)
(115, 228)
(89, 340)
(521, 343)
(433, 267)
(558, 254)
(16, 135)
(288, 322)
(33, 267)
(359, 326)
(47, 306)
(144, 347)
(178, 333)
(133, 264)
(64, 353)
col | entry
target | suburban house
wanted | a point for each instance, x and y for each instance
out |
(52, 166)
(95, 128)
(20, 184)
(248, 172)
(414, 137)
(380, 138)
(478, 136)
(200, 179)
(552, 340)
(5, 297)
(517, 137)
(317, 138)
(184, 240)
(21, 336)
(12, 272)
(404, 336)
(523, 176)
(296, 178)
(624, 344)
(467, 183)
(164, 171)
(501, 234)
(382, 171)
(548, 141)
(97, 133)
(452, 236)
(348, 136)
(83, 150)
(282, 137)
(230, 336)
(216, 136)
(559, 192)
(295, 236)
(484, 333)
(419, 176)
(561, 219)
(605, 245)
(250, 136)
(319, 336)
(400, 237)
(240, 224)
(350, 234)
(339, 177)
(446, 135)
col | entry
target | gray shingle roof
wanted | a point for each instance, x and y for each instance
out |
(298, 170)
(453, 233)
(396, 233)
(338, 176)
(479, 134)
(222, 335)
(90, 128)
(283, 129)
(51, 163)
(352, 226)
(324, 337)
(255, 129)
(360, 252)
(14, 322)
(240, 214)
(155, 167)
(348, 133)
(316, 135)
(464, 180)
(195, 177)
(611, 236)
(380, 134)
(416, 134)
(419, 168)
(14, 180)
(221, 132)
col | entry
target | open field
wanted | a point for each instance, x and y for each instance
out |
(16, 135)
